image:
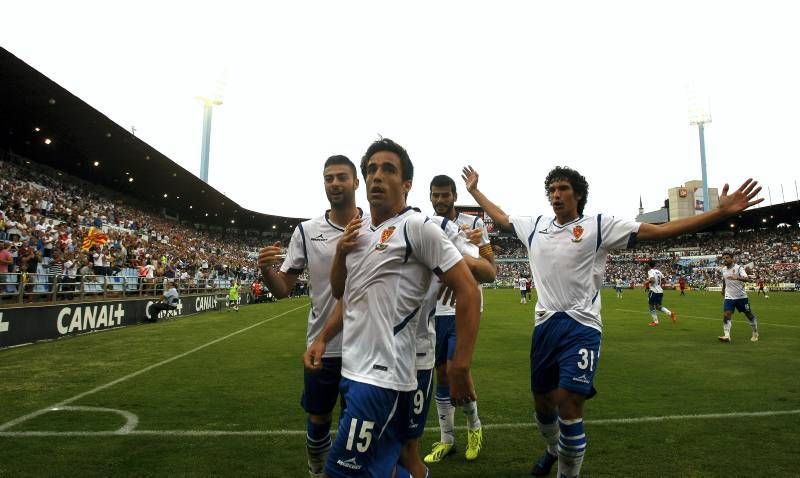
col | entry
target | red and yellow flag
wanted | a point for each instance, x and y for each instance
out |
(95, 237)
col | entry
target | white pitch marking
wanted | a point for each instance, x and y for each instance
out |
(496, 426)
(711, 318)
(61, 404)
(131, 420)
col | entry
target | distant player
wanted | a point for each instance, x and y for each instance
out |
(761, 288)
(443, 196)
(522, 283)
(233, 297)
(382, 272)
(655, 294)
(618, 287)
(528, 287)
(568, 252)
(682, 285)
(312, 247)
(733, 278)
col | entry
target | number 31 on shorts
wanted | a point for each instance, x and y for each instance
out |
(587, 359)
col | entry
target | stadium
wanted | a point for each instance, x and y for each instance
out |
(99, 227)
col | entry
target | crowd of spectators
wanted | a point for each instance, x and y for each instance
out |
(45, 216)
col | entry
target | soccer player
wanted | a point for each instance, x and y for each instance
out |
(382, 271)
(761, 289)
(618, 287)
(568, 252)
(522, 283)
(312, 247)
(682, 285)
(733, 278)
(233, 296)
(443, 197)
(655, 294)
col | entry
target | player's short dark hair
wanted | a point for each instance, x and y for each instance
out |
(727, 253)
(443, 180)
(343, 160)
(386, 144)
(574, 178)
(651, 263)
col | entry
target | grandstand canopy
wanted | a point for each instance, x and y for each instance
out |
(45, 123)
(767, 216)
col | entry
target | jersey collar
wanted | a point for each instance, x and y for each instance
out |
(328, 219)
(560, 226)
(408, 208)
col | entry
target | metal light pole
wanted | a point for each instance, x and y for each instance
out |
(208, 105)
(700, 115)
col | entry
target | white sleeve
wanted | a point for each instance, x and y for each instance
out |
(296, 257)
(616, 233)
(524, 227)
(742, 272)
(453, 233)
(484, 233)
(430, 245)
(650, 275)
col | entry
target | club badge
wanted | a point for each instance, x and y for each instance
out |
(385, 235)
(577, 233)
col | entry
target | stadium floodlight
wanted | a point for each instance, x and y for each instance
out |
(700, 115)
(47, 141)
(96, 163)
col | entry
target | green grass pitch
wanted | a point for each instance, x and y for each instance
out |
(217, 394)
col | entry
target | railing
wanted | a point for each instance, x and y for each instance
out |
(20, 288)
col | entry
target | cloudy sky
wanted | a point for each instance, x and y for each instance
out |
(512, 88)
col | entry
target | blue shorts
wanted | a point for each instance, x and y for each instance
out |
(321, 389)
(564, 354)
(369, 437)
(655, 298)
(742, 305)
(419, 405)
(445, 338)
(523, 292)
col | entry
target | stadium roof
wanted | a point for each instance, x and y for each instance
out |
(45, 123)
(767, 216)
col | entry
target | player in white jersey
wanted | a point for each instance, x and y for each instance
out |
(655, 294)
(443, 196)
(568, 253)
(522, 283)
(618, 287)
(311, 248)
(382, 271)
(734, 277)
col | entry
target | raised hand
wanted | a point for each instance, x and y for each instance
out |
(269, 256)
(349, 239)
(740, 199)
(470, 177)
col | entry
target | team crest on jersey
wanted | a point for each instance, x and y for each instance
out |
(385, 235)
(577, 233)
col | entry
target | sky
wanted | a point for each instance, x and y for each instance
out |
(511, 88)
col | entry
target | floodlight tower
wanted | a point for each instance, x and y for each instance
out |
(208, 105)
(700, 115)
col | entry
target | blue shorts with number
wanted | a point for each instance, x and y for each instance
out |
(564, 354)
(321, 388)
(655, 298)
(445, 338)
(419, 404)
(369, 437)
(742, 305)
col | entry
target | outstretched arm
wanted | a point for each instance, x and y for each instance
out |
(499, 217)
(737, 202)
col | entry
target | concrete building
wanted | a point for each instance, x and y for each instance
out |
(686, 201)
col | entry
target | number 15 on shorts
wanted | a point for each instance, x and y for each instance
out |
(364, 438)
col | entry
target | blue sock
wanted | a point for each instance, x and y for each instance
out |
(318, 442)
(548, 427)
(442, 392)
(446, 413)
(571, 447)
(402, 472)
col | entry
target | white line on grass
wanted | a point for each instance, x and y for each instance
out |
(494, 426)
(61, 404)
(719, 319)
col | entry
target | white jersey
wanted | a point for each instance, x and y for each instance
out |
(568, 261)
(522, 283)
(658, 279)
(388, 276)
(464, 222)
(619, 283)
(426, 328)
(734, 287)
(312, 247)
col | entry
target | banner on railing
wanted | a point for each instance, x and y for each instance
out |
(21, 325)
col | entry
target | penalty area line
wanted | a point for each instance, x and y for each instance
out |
(711, 318)
(491, 426)
(24, 418)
